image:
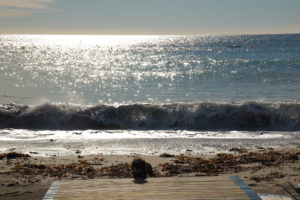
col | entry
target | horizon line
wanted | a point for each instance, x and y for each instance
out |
(225, 34)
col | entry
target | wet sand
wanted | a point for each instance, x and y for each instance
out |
(265, 170)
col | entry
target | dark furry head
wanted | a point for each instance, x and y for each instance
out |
(140, 169)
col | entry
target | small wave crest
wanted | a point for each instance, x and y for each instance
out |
(194, 116)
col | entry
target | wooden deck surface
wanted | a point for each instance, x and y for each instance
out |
(155, 189)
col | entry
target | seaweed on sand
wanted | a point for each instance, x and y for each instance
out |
(13, 155)
(223, 162)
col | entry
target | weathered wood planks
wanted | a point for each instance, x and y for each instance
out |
(175, 188)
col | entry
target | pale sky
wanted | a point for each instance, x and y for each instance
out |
(171, 17)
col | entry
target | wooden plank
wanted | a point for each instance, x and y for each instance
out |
(296, 187)
(290, 190)
(174, 188)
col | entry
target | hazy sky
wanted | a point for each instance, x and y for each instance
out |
(149, 16)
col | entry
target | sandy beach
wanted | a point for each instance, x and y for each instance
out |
(266, 170)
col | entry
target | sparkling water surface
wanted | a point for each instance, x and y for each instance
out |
(149, 69)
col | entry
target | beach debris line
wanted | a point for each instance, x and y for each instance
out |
(13, 155)
(238, 150)
(180, 164)
(80, 169)
(267, 177)
(223, 162)
(122, 170)
(166, 155)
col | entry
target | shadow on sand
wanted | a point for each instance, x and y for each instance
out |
(140, 181)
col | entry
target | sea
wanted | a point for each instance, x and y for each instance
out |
(88, 94)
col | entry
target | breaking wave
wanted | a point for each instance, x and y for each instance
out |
(193, 116)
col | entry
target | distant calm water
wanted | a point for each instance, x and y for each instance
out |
(149, 69)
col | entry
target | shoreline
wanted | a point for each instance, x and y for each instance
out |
(24, 176)
(127, 142)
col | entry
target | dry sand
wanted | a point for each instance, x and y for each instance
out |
(264, 171)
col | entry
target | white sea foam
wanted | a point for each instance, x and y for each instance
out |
(78, 135)
(143, 142)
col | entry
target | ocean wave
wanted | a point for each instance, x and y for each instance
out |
(193, 116)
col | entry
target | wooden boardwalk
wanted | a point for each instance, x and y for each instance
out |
(212, 188)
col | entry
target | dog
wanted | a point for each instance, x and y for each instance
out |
(140, 169)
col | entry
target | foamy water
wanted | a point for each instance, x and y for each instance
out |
(85, 142)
